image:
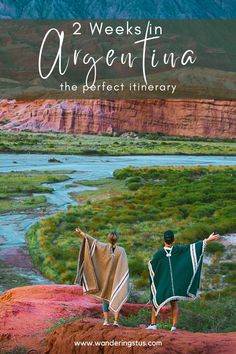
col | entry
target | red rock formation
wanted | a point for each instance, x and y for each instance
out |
(62, 340)
(208, 118)
(27, 312)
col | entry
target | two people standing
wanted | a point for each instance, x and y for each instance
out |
(175, 273)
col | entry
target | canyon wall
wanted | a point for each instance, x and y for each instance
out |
(207, 118)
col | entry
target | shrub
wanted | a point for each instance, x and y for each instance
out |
(196, 232)
(136, 266)
(143, 280)
(123, 173)
(214, 247)
(133, 180)
(203, 211)
(134, 186)
(208, 316)
(89, 152)
(142, 317)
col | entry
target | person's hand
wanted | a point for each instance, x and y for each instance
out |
(213, 237)
(80, 231)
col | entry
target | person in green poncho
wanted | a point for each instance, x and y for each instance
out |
(175, 273)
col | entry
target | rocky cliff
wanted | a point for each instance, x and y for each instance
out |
(26, 314)
(208, 118)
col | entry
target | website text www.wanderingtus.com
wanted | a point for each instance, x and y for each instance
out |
(115, 343)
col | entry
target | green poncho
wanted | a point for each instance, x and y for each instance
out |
(175, 273)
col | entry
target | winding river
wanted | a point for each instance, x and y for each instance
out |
(14, 257)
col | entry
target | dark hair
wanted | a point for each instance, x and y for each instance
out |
(113, 237)
(169, 237)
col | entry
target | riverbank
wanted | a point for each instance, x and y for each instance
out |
(123, 145)
(17, 189)
(142, 203)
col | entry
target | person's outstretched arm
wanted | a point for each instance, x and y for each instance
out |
(213, 237)
(80, 232)
(85, 235)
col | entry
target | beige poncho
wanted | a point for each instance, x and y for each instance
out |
(103, 273)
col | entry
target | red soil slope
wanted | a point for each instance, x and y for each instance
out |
(27, 312)
(62, 340)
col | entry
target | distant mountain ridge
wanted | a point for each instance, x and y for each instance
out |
(110, 9)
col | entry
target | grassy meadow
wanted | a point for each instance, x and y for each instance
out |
(17, 188)
(141, 203)
(137, 144)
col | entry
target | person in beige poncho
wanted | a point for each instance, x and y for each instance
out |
(103, 271)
